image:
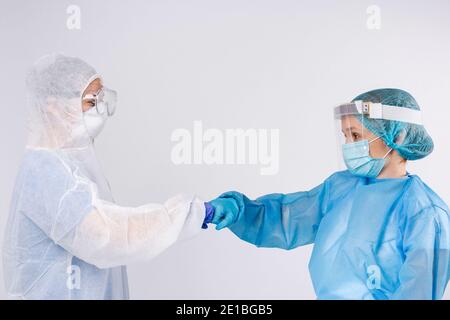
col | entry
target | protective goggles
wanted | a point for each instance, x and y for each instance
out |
(104, 101)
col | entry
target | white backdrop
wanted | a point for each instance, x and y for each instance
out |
(262, 64)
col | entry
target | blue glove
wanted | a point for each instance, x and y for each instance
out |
(226, 212)
(209, 214)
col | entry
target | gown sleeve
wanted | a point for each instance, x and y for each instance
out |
(425, 270)
(67, 209)
(283, 221)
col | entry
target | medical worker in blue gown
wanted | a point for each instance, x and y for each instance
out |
(379, 232)
(66, 238)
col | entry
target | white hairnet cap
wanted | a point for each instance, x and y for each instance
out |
(55, 85)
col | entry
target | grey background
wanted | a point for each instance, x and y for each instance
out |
(232, 64)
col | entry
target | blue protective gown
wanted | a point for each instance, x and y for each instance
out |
(373, 238)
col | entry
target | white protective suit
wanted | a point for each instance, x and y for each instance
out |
(65, 237)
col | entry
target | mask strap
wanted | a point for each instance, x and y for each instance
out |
(374, 140)
(387, 153)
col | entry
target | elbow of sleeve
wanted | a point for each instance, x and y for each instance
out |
(90, 245)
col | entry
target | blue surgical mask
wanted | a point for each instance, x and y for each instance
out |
(358, 160)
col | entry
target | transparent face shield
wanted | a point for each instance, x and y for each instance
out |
(349, 126)
(104, 101)
(351, 121)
